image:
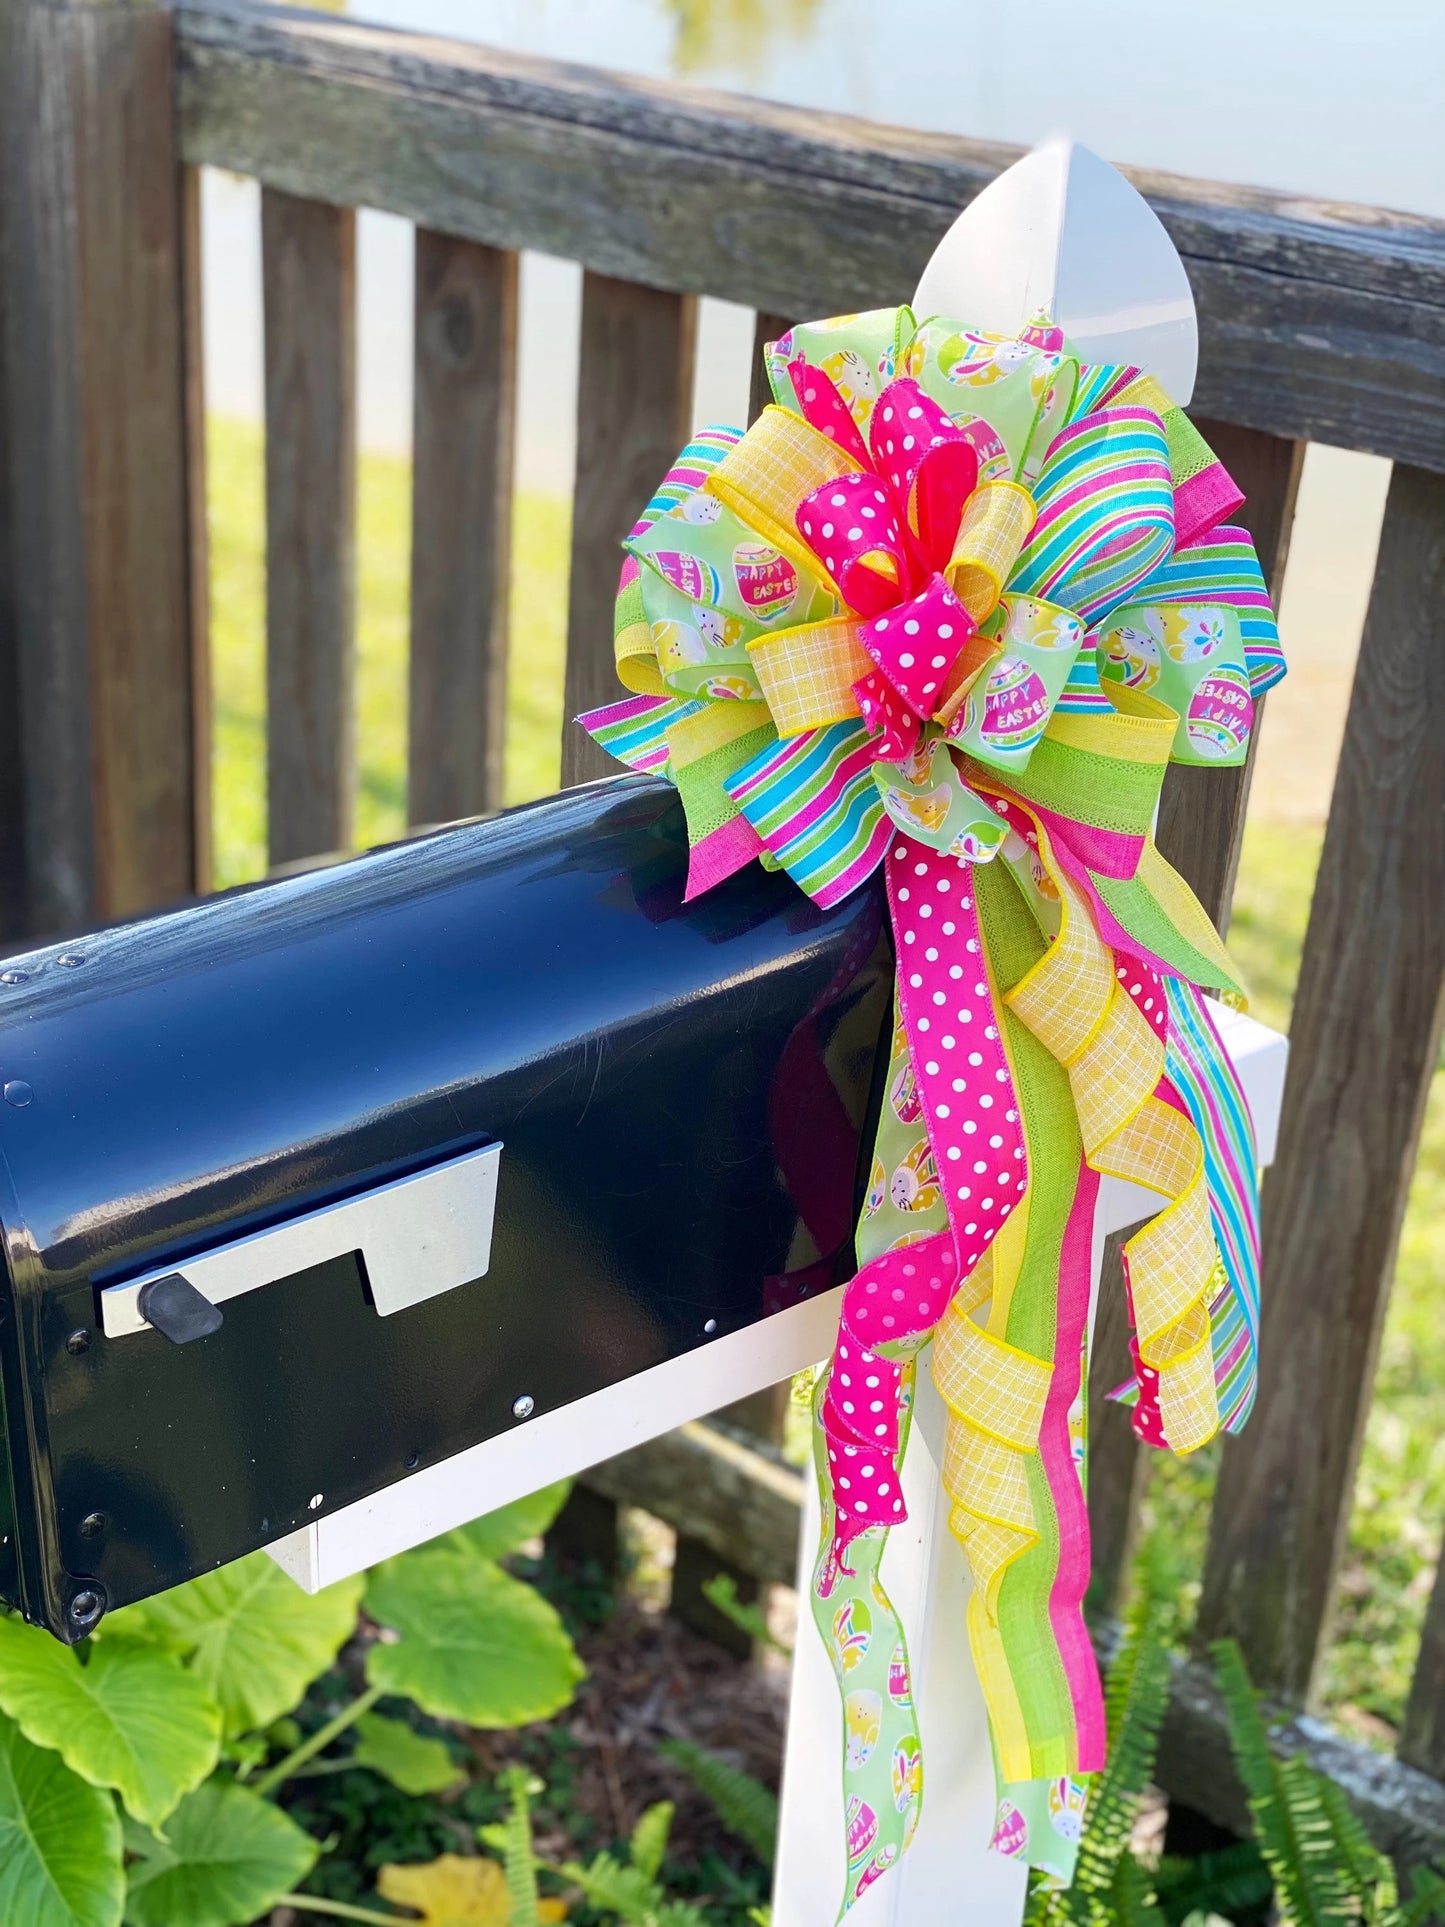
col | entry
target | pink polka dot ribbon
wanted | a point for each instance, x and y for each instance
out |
(928, 461)
(824, 408)
(852, 527)
(893, 726)
(965, 1089)
(918, 643)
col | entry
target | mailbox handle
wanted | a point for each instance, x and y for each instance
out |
(417, 1236)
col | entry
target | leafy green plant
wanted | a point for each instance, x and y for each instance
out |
(1310, 1860)
(722, 1591)
(747, 1808)
(136, 1777)
(629, 1890)
(1229, 1883)
(1324, 1867)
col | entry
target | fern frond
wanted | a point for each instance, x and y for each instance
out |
(1426, 1904)
(745, 1806)
(1231, 1881)
(1371, 1874)
(1136, 1697)
(629, 1893)
(1131, 1901)
(1292, 1823)
(519, 1866)
(649, 1838)
(722, 1591)
(624, 1891)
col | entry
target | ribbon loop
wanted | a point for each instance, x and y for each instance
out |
(917, 644)
(851, 525)
(995, 526)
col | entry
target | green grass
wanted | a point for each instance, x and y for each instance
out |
(1400, 1500)
(383, 537)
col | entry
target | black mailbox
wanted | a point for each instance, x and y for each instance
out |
(303, 1186)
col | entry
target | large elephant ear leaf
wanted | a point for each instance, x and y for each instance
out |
(250, 1635)
(60, 1842)
(415, 1762)
(133, 1718)
(510, 1526)
(227, 1857)
(472, 1643)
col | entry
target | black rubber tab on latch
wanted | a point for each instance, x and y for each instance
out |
(177, 1310)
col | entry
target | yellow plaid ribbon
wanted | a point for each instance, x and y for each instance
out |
(995, 525)
(807, 674)
(781, 459)
(636, 656)
(1075, 1003)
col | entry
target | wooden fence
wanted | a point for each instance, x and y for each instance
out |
(1317, 322)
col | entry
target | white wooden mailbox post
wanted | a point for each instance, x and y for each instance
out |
(1064, 233)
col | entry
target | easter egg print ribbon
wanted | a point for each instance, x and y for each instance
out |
(950, 608)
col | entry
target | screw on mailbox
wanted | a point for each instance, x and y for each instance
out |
(524, 1406)
(78, 1344)
(87, 1607)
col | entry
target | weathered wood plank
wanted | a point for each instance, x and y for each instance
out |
(762, 1416)
(1118, 1463)
(742, 1504)
(1318, 321)
(1201, 812)
(12, 787)
(1422, 1735)
(308, 255)
(1403, 1810)
(1365, 1039)
(96, 421)
(766, 328)
(464, 414)
(634, 396)
(198, 540)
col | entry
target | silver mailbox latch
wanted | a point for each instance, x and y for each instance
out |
(418, 1236)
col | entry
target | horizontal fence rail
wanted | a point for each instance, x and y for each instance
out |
(1321, 323)
(1317, 322)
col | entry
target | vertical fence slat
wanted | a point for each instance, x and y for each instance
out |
(1422, 1734)
(463, 425)
(12, 788)
(1201, 825)
(634, 397)
(766, 328)
(1118, 1464)
(198, 544)
(308, 252)
(94, 352)
(1364, 1041)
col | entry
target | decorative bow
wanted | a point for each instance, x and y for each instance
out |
(959, 598)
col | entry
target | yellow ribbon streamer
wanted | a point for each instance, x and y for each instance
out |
(1075, 1003)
